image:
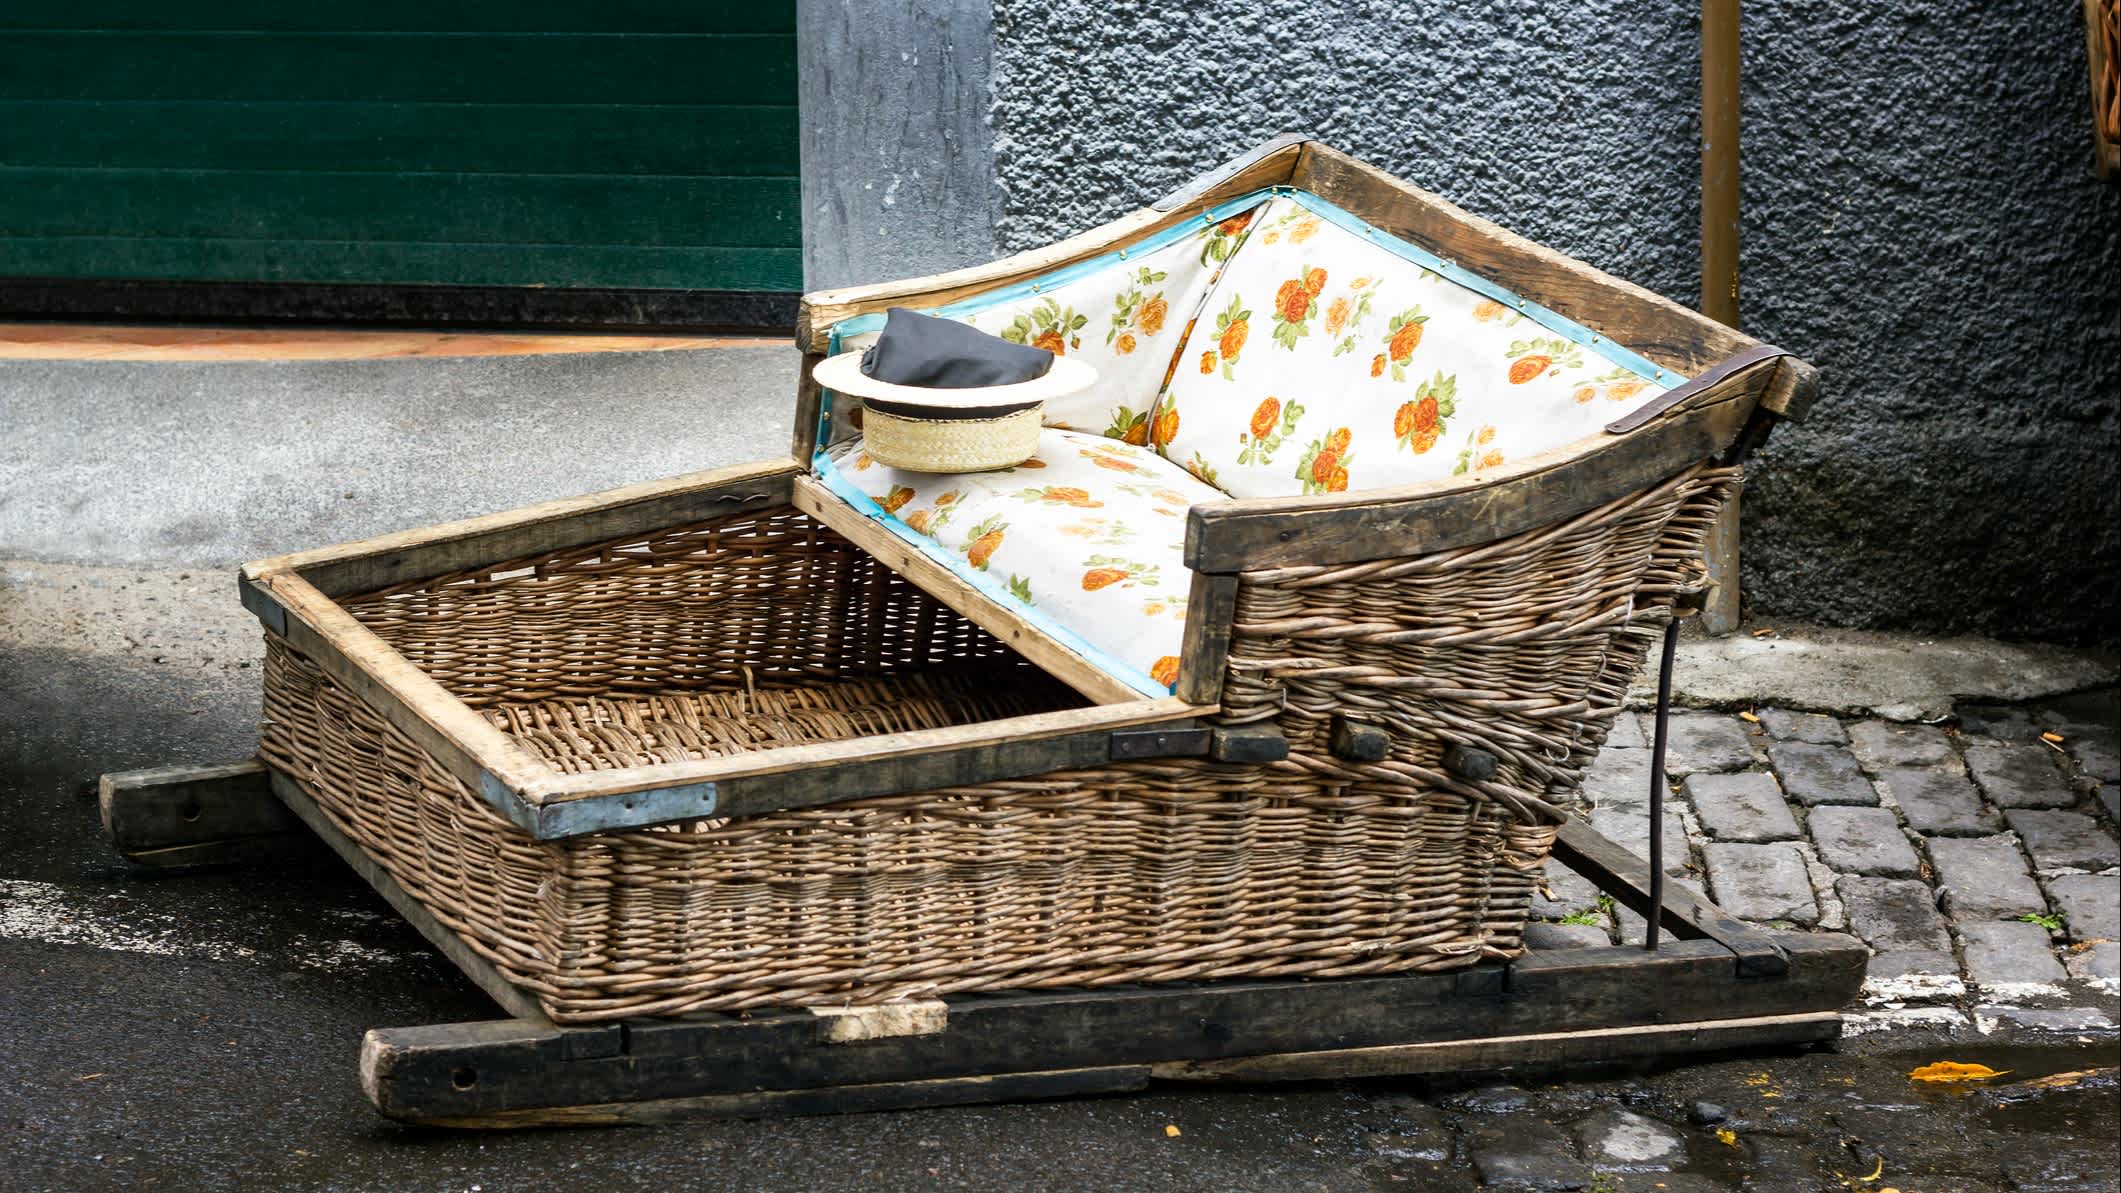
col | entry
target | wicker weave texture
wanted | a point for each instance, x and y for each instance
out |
(1523, 647)
(765, 597)
(763, 629)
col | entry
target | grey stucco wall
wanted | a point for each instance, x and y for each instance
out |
(897, 159)
(1919, 220)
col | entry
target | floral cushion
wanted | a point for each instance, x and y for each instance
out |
(1087, 536)
(1330, 356)
(1125, 314)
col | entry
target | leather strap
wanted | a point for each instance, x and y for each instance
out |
(1735, 363)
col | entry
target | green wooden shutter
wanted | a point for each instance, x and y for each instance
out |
(561, 143)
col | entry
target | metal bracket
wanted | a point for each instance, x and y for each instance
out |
(1162, 741)
(263, 605)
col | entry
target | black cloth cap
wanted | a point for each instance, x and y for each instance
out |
(917, 349)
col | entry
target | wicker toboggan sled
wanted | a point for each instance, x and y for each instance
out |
(1226, 738)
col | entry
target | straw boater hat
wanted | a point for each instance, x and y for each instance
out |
(925, 429)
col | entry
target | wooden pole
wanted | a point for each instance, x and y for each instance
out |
(1719, 257)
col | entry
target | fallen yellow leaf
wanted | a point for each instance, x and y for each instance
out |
(1171, 1130)
(1727, 1137)
(1952, 1070)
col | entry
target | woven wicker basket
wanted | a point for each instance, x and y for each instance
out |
(765, 629)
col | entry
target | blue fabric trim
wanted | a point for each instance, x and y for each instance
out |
(865, 505)
(1553, 321)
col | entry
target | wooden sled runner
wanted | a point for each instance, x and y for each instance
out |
(1720, 985)
(1224, 739)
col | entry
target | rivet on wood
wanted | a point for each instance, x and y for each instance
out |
(1470, 762)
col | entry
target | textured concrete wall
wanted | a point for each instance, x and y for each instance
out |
(897, 163)
(1919, 220)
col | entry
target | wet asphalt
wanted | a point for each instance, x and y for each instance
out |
(198, 1030)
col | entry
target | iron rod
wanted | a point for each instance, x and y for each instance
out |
(1655, 916)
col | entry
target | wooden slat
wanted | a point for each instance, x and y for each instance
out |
(481, 972)
(824, 308)
(386, 136)
(1211, 608)
(410, 1072)
(466, 744)
(1233, 536)
(1627, 878)
(1791, 393)
(448, 547)
(1010, 626)
(348, 267)
(194, 815)
(1504, 1052)
(1652, 325)
(831, 772)
(832, 1099)
(398, 16)
(401, 208)
(579, 67)
(809, 405)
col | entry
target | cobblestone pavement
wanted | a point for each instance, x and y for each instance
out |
(1976, 856)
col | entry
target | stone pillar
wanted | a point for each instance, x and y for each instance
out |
(897, 153)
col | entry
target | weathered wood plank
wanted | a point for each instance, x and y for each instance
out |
(461, 953)
(1505, 1052)
(1006, 624)
(194, 815)
(1586, 989)
(835, 1099)
(1627, 878)
(1232, 536)
(1792, 391)
(830, 772)
(822, 309)
(465, 743)
(447, 547)
(1211, 609)
(809, 407)
(2098, 32)
(1655, 326)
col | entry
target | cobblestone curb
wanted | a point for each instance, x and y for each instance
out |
(1977, 857)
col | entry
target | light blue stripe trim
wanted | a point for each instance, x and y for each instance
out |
(865, 505)
(1561, 325)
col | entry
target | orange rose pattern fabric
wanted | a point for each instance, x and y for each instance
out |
(1368, 370)
(1270, 354)
(1089, 531)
